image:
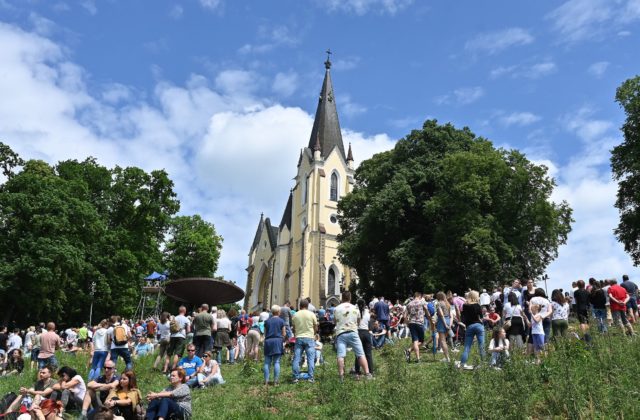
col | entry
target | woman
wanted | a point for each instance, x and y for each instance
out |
(546, 310)
(209, 373)
(46, 410)
(581, 297)
(164, 330)
(444, 323)
(222, 336)
(365, 336)
(253, 338)
(175, 399)
(233, 332)
(560, 316)
(15, 363)
(274, 334)
(515, 320)
(472, 319)
(499, 348)
(598, 300)
(99, 350)
(70, 389)
(125, 397)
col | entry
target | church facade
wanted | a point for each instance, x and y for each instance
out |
(298, 257)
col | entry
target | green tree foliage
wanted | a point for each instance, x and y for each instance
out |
(193, 248)
(63, 227)
(445, 209)
(625, 163)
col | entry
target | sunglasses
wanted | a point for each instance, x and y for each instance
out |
(108, 368)
(206, 355)
(191, 350)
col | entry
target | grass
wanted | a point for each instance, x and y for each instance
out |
(574, 381)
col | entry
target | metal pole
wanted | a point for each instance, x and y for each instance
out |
(93, 292)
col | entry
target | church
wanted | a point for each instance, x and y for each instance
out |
(298, 258)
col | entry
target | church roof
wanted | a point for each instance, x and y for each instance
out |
(256, 239)
(286, 216)
(326, 127)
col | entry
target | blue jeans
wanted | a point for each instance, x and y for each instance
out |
(308, 345)
(162, 407)
(49, 361)
(474, 330)
(276, 366)
(124, 353)
(378, 341)
(230, 351)
(97, 362)
(601, 316)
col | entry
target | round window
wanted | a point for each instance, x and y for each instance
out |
(333, 218)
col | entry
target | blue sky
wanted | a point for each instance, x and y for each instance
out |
(222, 93)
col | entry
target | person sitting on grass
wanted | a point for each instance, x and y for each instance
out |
(44, 382)
(15, 363)
(499, 348)
(209, 373)
(379, 334)
(175, 399)
(191, 364)
(142, 348)
(125, 397)
(47, 410)
(70, 389)
(99, 388)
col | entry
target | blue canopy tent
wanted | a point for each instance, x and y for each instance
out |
(156, 277)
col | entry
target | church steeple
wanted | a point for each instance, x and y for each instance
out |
(326, 127)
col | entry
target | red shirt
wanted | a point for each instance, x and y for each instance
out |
(620, 294)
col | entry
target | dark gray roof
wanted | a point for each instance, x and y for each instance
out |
(272, 233)
(326, 127)
(256, 239)
(286, 216)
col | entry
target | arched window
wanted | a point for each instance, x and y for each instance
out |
(333, 195)
(331, 289)
(305, 190)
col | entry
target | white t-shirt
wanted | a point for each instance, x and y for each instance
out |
(14, 342)
(164, 331)
(346, 316)
(223, 323)
(100, 340)
(505, 346)
(545, 305)
(80, 388)
(263, 316)
(485, 299)
(184, 322)
(364, 320)
(536, 327)
(113, 343)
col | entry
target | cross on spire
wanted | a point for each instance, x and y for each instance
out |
(327, 64)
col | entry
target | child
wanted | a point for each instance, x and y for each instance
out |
(318, 346)
(499, 348)
(537, 331)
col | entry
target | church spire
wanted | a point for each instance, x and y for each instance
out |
(326, 127)
(350, 154)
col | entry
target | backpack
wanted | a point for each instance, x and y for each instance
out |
(120, 335)
(174, 326)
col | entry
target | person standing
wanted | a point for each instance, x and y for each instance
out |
(49, 343)
(119, 334)
(618, 298)
(472, 318)
(285, 314)
(274, 334)
(99, 350)
(203, 325)
(305, 326)
(381, 309)
(365, 336)
(414, 314)
(347, 315)
(632, 291)
(179, 327)
(581, 298)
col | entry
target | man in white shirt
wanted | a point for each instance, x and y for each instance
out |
(347, 316)
(15, 341)
(485, 299)
(177, 341)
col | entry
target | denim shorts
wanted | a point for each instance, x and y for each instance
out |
(538, 341)
(349, 339)
(441, 326)
(417, 332)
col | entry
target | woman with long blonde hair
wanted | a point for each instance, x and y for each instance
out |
(472, 319)
(443, 325)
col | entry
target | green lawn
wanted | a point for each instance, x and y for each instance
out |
(574, 381)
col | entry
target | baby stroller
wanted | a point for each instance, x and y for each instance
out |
(325, 331)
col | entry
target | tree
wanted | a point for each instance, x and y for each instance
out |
(193, 248)
(446, 210)
(625, 164)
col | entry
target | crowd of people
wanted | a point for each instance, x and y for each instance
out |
(191, 348)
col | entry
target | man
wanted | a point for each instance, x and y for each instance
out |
(311, 307)
(485, 299)
(15, 341)
(381, 309)
(347, 318)
(83, 335)
(49, 343)
(191, 364)
(203, 325)
(119, 334)
(618, 298)
(305, 327)
(44, 381)
(243, 329)
(632, 304)
(98, 389)
(181, 326)
(415, 313)
(285, 314)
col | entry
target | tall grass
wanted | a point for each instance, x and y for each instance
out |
(574, 381)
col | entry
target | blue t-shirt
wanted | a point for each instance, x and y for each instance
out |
(190, 365)
(382, 310)
(273, 327)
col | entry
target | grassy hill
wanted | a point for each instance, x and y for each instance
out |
(574, 381)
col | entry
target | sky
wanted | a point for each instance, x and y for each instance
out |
(221, 94)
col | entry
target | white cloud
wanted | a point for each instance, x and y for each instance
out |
(231, 155)
(362, 7)
(271, 37)
(519, 118)
(176, 12)
(529, 70)
(285, 84)
(211, 4)
(494, 42)
(349, 108)
(42, 25)
(579, 20)
(598, 69)
(89, 6)
(461, 96)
